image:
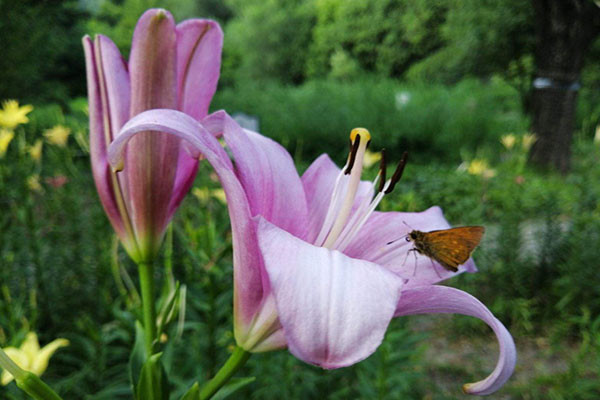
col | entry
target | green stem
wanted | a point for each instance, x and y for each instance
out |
(147, 285)
(234, 363)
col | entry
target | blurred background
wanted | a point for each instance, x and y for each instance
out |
(497, 102)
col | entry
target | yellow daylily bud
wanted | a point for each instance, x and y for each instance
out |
(204, 194)
(528, 141)
(33, 183)
(35, 151)
(6, 136)
(11, 115)
(508, 141)
(480, 167)
(371, 158)
(58, 135)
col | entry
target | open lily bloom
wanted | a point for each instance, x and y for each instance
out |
(171, 66)
(313, 267)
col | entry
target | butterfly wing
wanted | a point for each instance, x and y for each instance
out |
(453, 247)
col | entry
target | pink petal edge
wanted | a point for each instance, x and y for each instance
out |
(446, 300)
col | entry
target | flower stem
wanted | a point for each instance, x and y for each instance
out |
(26, 381)
(146, 270)
(232, 365)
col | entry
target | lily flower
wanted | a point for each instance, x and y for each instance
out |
(313, 267)
(30, 357)
(170, 66)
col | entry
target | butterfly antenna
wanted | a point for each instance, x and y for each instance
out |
(395, 240)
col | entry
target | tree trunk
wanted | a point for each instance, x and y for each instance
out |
(565, 30)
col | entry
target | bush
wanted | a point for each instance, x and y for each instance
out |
(432, 122)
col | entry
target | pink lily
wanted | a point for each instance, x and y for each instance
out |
(313, 269)
(170, 66)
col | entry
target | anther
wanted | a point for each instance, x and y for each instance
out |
(398, 173)
(353, 152)
(382, 172)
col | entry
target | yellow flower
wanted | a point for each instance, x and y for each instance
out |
(480, 167)
(35, 151)
(6, 136)
(58, 135)
(508, 141)
(371, 158)
(204, 194)
(30, 357)
(12, 115)
(33, 183)
(528, 141)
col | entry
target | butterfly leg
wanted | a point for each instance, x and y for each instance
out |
(435, 269)
(406, 258)
(415, 251)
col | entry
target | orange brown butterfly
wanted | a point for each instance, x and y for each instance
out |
(449, 247)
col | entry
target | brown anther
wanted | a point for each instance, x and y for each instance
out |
(382, 172)
(353, 152)
(398, 173)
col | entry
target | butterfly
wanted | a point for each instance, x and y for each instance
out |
(449, 247)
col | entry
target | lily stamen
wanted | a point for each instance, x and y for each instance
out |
(397, 173)
(345, 216)
(382, 171)
(355, 168)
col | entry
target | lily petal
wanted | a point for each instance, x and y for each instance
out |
(199, 45)
(152, 66)
(372, 244)
(269, 177)
(40, 363)
(20, 358)
(249, 290)
(101, 133)
(334, 309)
(447, 300)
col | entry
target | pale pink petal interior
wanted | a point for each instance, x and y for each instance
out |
(381, 228)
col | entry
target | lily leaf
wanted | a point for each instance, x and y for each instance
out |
(193, 393)
(137, 357)
(168, 310)
(232, 386)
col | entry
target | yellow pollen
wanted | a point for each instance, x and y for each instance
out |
(364, 134)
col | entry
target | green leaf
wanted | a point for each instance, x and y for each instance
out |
(153, 384)
(193, 393)
(138, 356)
(168, 310)
(232, 386)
